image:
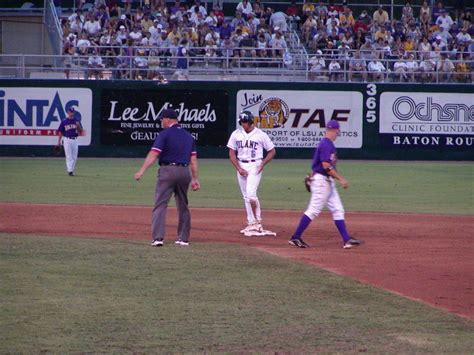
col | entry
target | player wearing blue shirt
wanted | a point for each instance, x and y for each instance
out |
(176, 150)
(69, 130)
(323, 190)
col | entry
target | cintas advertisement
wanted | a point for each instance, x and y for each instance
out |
(31, 116)
(131, 116)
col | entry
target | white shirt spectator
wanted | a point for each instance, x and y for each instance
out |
(77, 27)
(245, 7)
(412, 65)
(376, 66)
(202, 10)
(155, 32)
(140, 62)
(278, 43)
(136, 35)
(400, 67)
(463, 37)
(95, 61)
(73, 17)
(317, 63)
(121, 35)
(445, 21)
(278, 19)
(211, 21)
(334, 66)
(83, 44)
(92, 27)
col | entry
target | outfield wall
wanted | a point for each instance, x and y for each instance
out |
(378, 121)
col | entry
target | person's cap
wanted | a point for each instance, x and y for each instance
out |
(159, 26)
(168, 113)
(276, 28)
(71, 110)
(319, 51)
(438, 37)
(333, 124)
(122, 27)
(123, 17)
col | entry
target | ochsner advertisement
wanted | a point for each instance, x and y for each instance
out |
(427, 119)
(31, 116)
(297, 119)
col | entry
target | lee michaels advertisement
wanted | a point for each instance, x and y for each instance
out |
(297, 119)
(131, 116)
(31, 116)
(427, 120)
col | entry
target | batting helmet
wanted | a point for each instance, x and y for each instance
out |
(245, 117)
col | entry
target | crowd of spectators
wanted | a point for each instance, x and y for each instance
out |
(161, 35)
(424, 44)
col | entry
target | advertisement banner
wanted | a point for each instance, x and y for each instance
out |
(297, 119)
(427, 119)
(31, 116)
(131, 116)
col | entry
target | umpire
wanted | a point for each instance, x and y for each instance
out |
(176, 149)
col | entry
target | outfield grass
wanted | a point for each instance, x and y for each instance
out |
(61, 295)
(415, 187)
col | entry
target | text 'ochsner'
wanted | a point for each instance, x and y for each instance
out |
(205, 114)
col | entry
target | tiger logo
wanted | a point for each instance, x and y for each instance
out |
(272, 113)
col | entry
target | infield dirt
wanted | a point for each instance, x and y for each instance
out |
(423, 257)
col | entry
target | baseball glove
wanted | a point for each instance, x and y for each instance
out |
(58, 149)
(307, 182)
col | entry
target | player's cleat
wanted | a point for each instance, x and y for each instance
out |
(181, 243)
(70, 173)
(352, 243)
(157, 243)
(251, 229)
(298, 242)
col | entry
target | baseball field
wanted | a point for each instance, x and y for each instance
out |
(77, 273)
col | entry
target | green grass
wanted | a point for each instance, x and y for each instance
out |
(62, 295)
(415, 187)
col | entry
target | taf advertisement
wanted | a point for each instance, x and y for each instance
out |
(130, 117)
(297, 119)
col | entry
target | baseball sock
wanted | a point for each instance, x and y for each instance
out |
(341, 227)
(304, 223)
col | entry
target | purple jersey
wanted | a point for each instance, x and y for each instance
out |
(69, 128)
(175, 145)
(325, 152)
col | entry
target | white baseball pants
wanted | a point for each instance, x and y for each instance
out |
(248, 187)
(324, 193)
(71, 150)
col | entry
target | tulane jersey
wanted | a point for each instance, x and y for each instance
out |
(69, 127)
(250, 146)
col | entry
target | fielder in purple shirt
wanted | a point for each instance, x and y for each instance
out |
(323, 190)
(68, 131)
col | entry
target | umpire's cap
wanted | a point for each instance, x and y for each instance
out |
(245, 117)
(333, 124)
(168, 113)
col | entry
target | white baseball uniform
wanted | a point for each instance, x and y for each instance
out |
(249, 151)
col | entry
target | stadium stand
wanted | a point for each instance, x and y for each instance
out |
(316, 41)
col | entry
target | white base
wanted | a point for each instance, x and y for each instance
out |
(260, 234)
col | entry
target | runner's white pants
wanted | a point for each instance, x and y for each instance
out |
(324, 193)
(71, 150)
(249, 187)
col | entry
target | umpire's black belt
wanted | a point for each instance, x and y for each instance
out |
(173, 164)
(249, 161)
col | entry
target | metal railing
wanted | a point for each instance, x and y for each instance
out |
(53, 27)
(222, 67)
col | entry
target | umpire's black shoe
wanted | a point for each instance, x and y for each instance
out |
(70, 173)
(298, 242)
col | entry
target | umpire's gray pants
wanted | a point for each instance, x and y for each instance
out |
(171, 179)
